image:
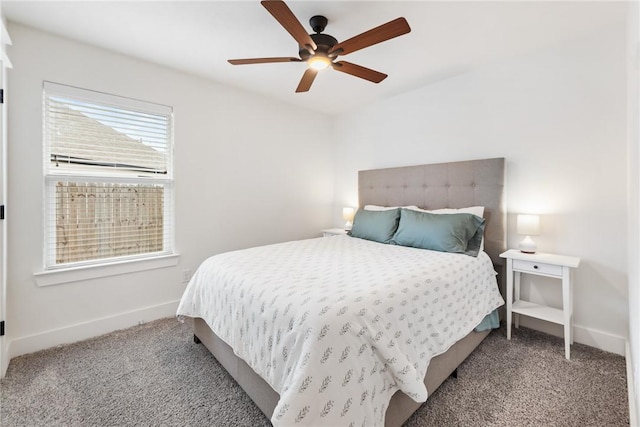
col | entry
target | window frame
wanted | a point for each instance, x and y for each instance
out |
(53, 273)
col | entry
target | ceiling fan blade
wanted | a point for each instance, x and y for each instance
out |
(288, 20)
(307, 79)
(262, 60)
(359, 71)
(376, 35)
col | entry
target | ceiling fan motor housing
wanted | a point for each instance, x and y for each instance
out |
(324, 42)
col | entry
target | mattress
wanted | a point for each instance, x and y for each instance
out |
(337, 325)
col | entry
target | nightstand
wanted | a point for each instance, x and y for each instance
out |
(541, 264)
(333, 232)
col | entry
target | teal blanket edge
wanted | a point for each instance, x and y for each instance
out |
(490, 321)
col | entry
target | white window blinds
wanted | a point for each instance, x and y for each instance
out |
(108, 173)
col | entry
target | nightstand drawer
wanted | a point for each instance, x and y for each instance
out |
(537, 267)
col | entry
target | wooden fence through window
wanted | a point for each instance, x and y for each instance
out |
(104, 220)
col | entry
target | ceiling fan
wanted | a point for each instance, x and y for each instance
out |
(320, 51)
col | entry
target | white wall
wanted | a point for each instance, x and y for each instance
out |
(558, 116)
(633, 170)
(247, 172)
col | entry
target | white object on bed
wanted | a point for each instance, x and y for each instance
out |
(475, 210)
(337, 325)
(387, 208)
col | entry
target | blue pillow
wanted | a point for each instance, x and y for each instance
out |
(378, 226)
(457, 233)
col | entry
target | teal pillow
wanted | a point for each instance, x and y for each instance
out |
(378, 226)
(457, 233)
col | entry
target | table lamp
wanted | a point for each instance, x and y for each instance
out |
(529, 225)
(347, 215)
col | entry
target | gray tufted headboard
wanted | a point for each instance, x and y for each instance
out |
(444, 185)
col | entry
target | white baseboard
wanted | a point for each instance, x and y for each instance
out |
(581, 334)
(93, 328)
(634, 421)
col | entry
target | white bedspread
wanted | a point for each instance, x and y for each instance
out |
(337, 324)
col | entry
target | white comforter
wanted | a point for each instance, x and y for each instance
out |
(337, 324)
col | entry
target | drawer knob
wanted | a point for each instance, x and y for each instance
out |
(535, 266)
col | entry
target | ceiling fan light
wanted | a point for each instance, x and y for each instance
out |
(319, 62)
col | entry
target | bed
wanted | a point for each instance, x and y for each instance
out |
(286, 354)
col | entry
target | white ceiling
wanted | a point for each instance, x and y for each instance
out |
(447, 38)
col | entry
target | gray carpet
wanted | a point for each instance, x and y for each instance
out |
(154, 375)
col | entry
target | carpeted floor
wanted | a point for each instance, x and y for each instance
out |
(154, 375)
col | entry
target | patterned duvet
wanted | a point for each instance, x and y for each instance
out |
(337, 324)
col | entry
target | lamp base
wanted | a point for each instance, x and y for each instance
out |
(348, 225)
(528, 246)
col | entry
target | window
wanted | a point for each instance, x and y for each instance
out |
(108, 178)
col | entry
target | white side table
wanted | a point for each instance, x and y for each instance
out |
(541, 264)
(333, 232)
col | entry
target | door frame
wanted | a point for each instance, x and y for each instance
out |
(4, 65)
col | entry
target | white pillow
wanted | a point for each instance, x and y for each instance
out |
(475, 210)
(387, 208)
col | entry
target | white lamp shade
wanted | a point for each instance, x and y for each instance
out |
(529, 225)
(347, 214)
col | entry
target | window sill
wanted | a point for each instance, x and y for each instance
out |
(75, 274)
